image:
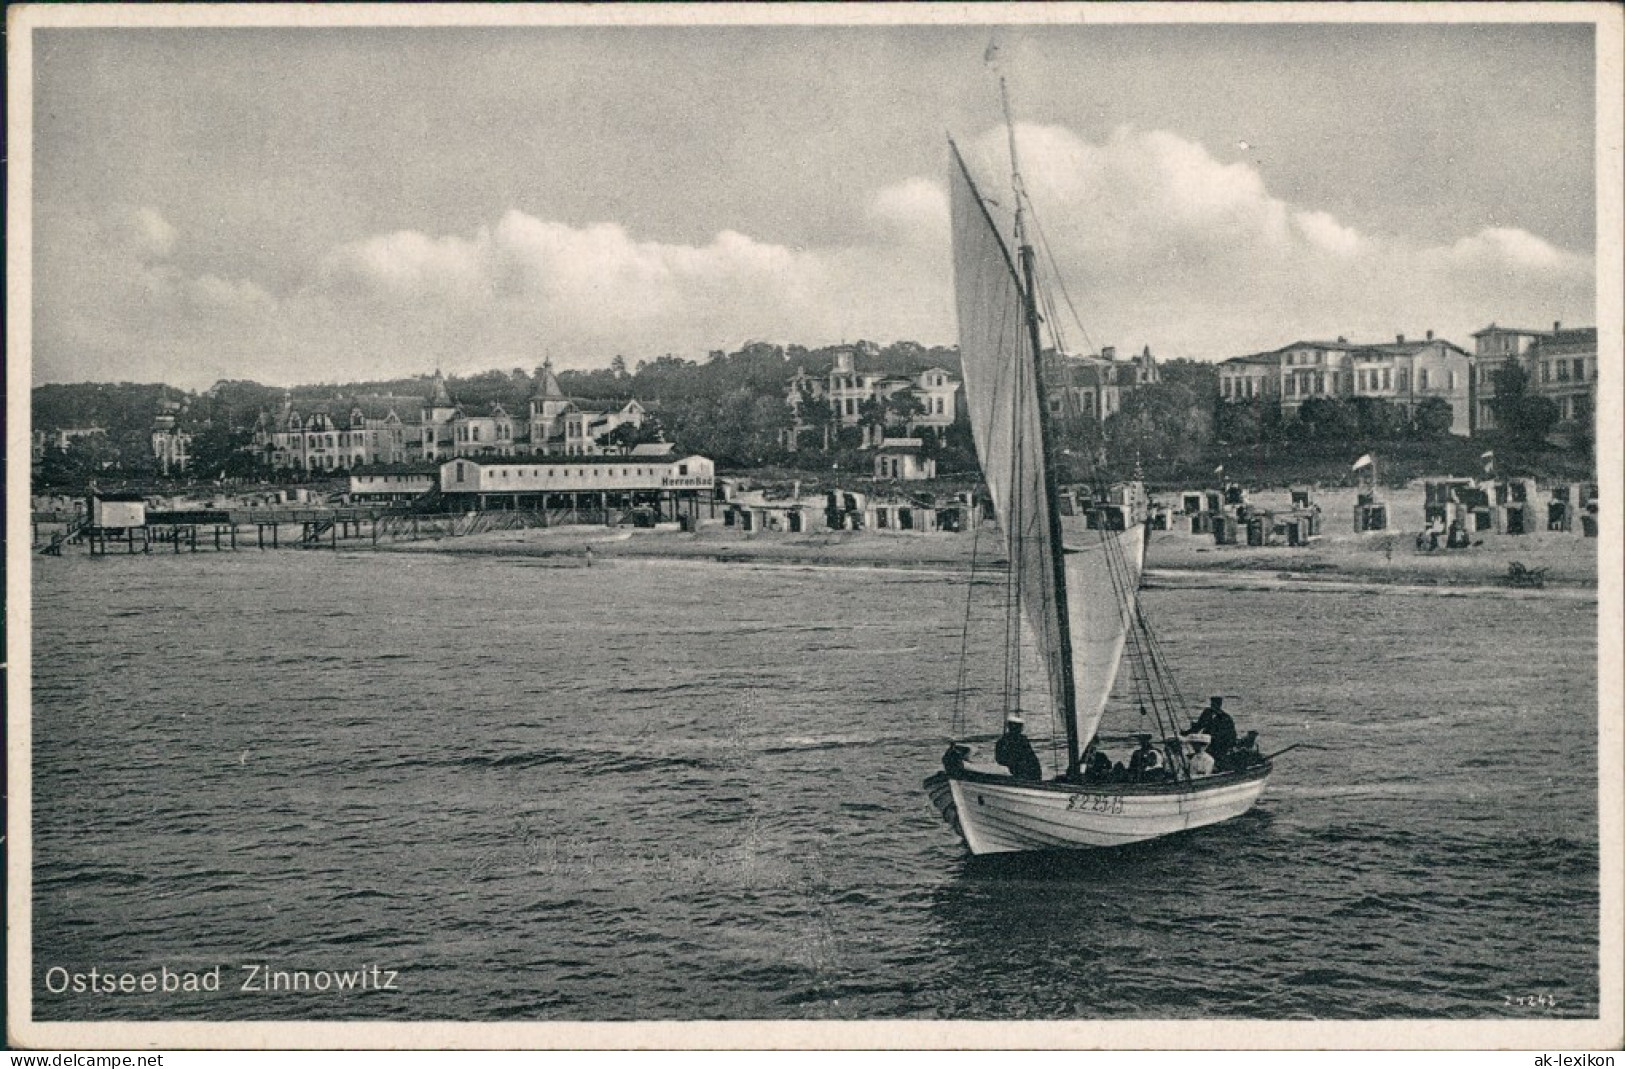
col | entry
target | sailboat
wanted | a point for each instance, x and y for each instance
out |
(1071, 586)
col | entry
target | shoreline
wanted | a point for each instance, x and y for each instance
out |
(1172, 560)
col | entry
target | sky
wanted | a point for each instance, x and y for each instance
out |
(306, 205)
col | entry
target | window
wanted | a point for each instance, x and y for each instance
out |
(459, 473)
(1422, 379)
(1403, 378)
(1451, 384)
(682, 469)
(1545, 371)
(1562, 371)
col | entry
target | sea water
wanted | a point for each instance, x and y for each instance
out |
(365, 785)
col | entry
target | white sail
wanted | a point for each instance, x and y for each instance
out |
(1078, 596)
(1102, 577)
(1002, 395)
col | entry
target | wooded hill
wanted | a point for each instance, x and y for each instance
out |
(733, 408)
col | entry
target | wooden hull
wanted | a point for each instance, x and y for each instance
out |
(997, 814)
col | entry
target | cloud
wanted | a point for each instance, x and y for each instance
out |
(595, 286)
(1157, 239)
(146, 233)
(1323, 231)
(1165, 243)
(914, 210)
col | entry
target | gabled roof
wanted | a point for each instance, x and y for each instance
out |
(1410, 348)
(1338, 345)
(382, 406)
(1573, 340)
(547, 385)
(439, 396)
(494, 409)
(1255, 358)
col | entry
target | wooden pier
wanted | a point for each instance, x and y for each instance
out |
(228, 530)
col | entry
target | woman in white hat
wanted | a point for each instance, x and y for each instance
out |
(1200, 761)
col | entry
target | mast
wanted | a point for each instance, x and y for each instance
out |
(1068, 696)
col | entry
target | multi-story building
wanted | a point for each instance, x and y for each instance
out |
(326, 435)
(1561, 364)
(1401, 372)
(59, 439)
(1493, 347)
(1096, 386)
(847, 390)
(171, 446)
(584, 428)
(1567, 363)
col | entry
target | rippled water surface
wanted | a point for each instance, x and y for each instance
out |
(683, 790)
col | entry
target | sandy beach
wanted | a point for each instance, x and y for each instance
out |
(1336, 559)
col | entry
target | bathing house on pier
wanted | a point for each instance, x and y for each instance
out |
(669, 485)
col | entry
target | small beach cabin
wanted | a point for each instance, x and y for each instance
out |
(117, 509)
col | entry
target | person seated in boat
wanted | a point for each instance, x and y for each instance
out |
(953, 761)
(1244, 755)
(1217, 725)
(1200, 761)
(1016, 753)
(1098, 767)
(1092, 766)
(1146, 762)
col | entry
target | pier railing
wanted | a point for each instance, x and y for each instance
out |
(317, 527)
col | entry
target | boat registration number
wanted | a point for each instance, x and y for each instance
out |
(1097, 803)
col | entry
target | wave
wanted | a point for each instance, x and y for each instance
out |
(808, 743)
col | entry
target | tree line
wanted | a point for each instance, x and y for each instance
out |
(736, 408)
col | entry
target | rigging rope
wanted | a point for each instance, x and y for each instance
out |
(961, 684)
(1043, 241)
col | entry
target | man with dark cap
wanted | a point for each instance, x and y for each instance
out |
(1216, 724)
(1243, 755)
(953, 760)
(1016, 753)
